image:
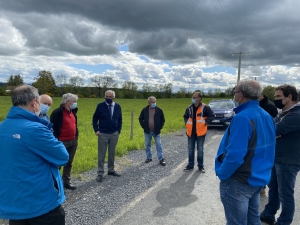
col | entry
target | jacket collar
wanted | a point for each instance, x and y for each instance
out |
(245, 105)
(17, 112)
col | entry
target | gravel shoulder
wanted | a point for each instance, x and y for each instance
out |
(95, 203)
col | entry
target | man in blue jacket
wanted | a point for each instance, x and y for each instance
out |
(245, 157)
(107, 124)
(31, 187)
(287, 157)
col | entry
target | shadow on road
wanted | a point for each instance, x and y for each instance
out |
(178, 195)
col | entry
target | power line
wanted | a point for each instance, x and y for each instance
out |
(207, 19)
(198, 21)
(226, 15)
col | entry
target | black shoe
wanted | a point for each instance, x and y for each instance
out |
(115, 174)
(188, 168)
(266, 219)
(201, 169)
(148, 160)
(69, 186)
(99, 178)
(162, 162)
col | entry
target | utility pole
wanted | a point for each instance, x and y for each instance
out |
(240, 60)
(255, 77)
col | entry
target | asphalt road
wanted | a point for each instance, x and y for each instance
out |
(185, 197)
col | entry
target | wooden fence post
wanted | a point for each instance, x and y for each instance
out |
(131, 127)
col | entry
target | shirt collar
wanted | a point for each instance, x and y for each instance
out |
(113, 104)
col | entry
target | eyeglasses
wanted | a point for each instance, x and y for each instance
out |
(235, 92)
(111, 97)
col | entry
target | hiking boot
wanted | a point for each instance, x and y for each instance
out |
(201, 169)
(266, 219)
(162, 162)
(99, 178)
(148, 160)
(188, 168)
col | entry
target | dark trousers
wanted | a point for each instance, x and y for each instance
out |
(71, 147)
(54, 217)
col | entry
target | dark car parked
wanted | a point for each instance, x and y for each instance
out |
(223, 109)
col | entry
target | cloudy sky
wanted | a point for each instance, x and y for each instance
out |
(184, 42)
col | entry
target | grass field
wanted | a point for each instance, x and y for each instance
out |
(86, 155)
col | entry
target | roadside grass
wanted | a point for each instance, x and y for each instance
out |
(86, 157)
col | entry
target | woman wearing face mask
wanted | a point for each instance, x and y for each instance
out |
(45, 103)
(65, 129)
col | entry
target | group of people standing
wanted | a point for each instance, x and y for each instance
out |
(256, 150)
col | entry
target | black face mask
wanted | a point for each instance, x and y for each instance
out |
(278, 103)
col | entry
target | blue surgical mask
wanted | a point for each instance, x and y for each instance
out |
(153, 105)
(44, 108)
(108, 100)
(235, 102)
(193, 101)
(74, 105)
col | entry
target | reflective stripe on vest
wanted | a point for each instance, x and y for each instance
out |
(201, 127)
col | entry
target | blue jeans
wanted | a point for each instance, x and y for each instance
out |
(241, 202)
(281, 190)
(148, 138)
(191, 148)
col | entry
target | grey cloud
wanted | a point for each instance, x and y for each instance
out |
(164, 30)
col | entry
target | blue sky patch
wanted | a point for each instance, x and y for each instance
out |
(93, 68)
(123, 48)
(220, 69)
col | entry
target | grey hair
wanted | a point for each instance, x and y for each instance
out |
(110, 91)
(23, 95)
(151, 98)
(68, 97)
(250, 88)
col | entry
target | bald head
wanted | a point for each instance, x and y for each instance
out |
(46, 100)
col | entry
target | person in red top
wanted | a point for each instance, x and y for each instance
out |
(65, 129)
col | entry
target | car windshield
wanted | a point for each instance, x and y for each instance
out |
(221, 105)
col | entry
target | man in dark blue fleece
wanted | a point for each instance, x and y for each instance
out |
(287, 157)
(245, 156)
(107, 124)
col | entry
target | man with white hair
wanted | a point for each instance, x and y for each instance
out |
(65, 129)
(245, 157)
(107, 124)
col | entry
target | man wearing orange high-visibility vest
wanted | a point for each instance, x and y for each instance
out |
(196, 118)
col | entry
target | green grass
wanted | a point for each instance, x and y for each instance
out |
(86, 155)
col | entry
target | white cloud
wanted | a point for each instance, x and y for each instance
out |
(165, 46)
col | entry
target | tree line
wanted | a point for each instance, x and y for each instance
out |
(61, 84)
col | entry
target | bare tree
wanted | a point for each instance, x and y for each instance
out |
(61, 82)
(103, 82)
(96, 81)
(107, 82)
(76, 82)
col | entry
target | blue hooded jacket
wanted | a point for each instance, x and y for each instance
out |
(30, 182)
(247, 149)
